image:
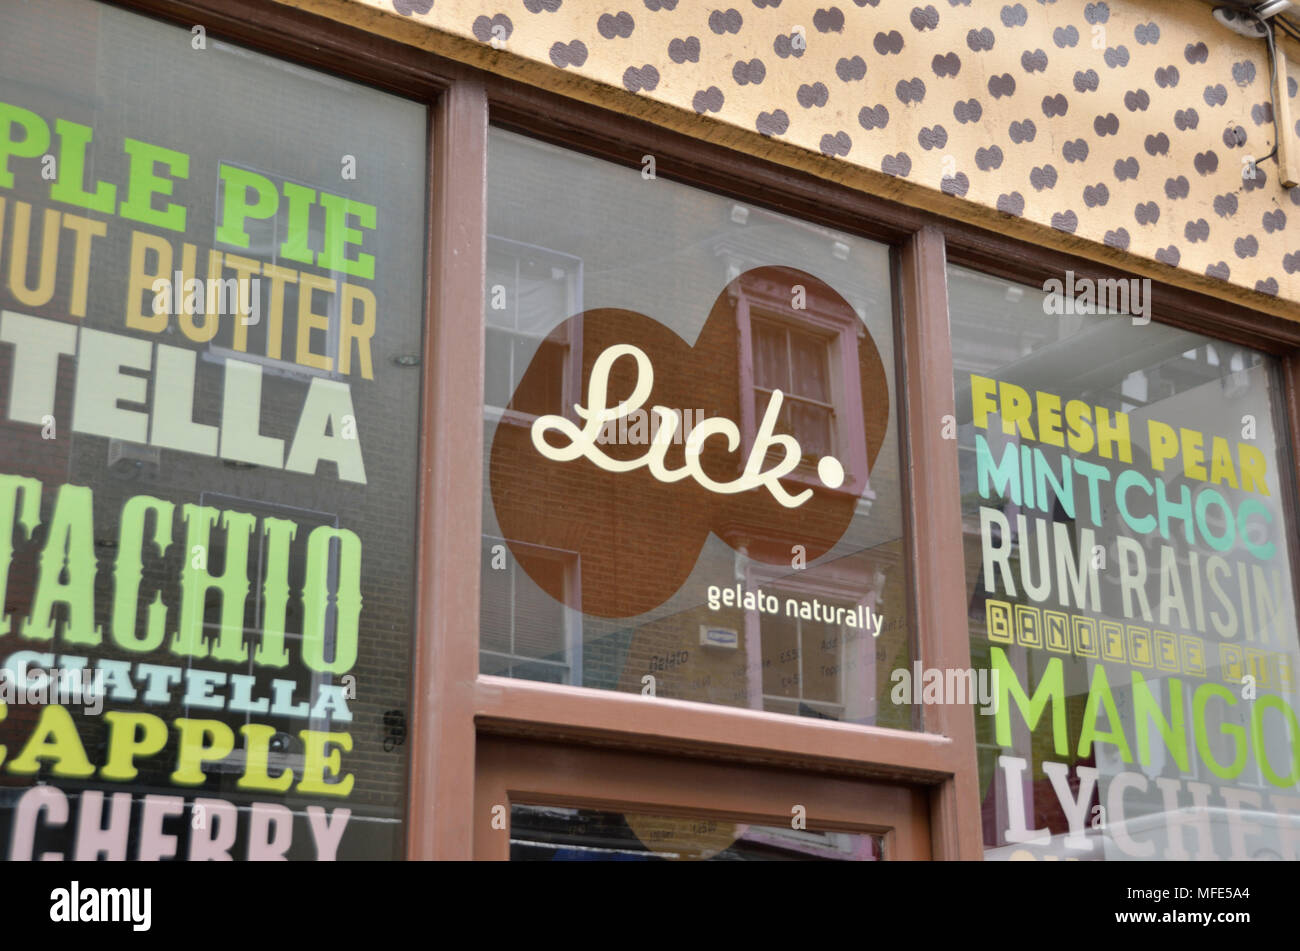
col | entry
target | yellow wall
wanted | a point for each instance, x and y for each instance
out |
(1156, 193)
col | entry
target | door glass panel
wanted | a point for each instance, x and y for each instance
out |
(560, 834)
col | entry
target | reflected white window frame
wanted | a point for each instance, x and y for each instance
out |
(845, 590)
(841, 336)
(572, 634)
(567, 330)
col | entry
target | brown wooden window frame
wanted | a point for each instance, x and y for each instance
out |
(451, 703)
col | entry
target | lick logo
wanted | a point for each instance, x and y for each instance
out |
(597, 416)
(796, 406)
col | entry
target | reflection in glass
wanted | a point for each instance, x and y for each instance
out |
(1136, 586)
(560, 834)
(611, 578)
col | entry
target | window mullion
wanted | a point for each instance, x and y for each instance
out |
(938, 594)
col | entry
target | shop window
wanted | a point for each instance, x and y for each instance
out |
(198, 493)
(687, 312)
(1129, 556)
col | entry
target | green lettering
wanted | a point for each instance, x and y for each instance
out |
(1146, 709)
(278, 533)
(316, 597)
(1099, 696)
(333, 257)
(74, 142)
(144, 184)
(1270, 701)
(298, 226)
(196, 581)
(71, 545)
(28, 516)
(129, 569)
(35, 140)
(1199, 699)
(235, 207)
(1051, 688)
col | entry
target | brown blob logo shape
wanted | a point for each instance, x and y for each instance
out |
(638, 538)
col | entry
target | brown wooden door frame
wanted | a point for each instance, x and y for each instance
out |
(512, 770)
(445, 660)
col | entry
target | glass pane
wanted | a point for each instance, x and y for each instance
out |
(811, 424)
(771, 362)
(542, 390)
(218, 484)
(1129, 568)
(544, 288)
(780, 656)
(822, 662)
(495, 665)
(560, 834)
(539, 618)
(498, 350)
(544, 672)
(494, 590)
(502, 306)
(665, 573)
(810, 374)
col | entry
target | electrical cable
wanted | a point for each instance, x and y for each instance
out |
(1272, 84)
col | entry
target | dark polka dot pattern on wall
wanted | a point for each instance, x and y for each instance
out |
(684, 50)
(772, 123)
(708, 100)
(886, 43)
(1026, 131)
(1012, 204)
(486, 28)
(616, 25)
(573, 53)
(924, 18)
(1067, 113)
(837, 144)
(635, 80)
(410, 8)
(851, 69)
(946, 65)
